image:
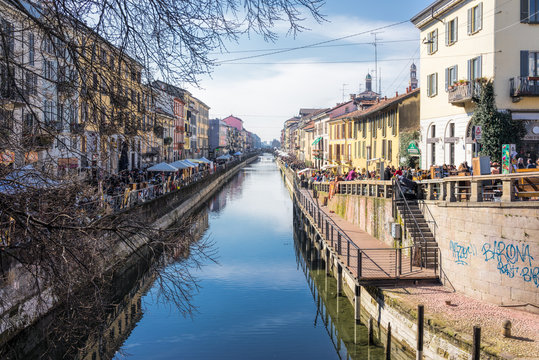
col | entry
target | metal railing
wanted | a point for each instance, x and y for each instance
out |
(416, 232)
(368, 263)
(524, 86)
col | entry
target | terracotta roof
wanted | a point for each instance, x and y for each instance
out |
(309, 125)
(377, 107)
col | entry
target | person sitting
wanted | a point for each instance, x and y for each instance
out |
(531, 164)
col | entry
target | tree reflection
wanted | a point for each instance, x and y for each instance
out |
(96, 320)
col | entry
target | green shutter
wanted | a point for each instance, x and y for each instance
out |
(524, 63)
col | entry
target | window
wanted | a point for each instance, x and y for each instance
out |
(529, 63)
(30, 83)
(390, 150)
(432, 42)
(6, 29)
(475, 19)
(529, 11)
(432, 85)
(374, 149)
(31, 50)
(433, 145)
(451, 32)
(349, 152)
(49, 112)
(48, 70)
(383, 149)
(451, 75)
(474, 68)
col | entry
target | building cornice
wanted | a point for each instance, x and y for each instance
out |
(433, 11)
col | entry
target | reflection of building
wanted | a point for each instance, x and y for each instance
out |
(218, 202)
(120, 322)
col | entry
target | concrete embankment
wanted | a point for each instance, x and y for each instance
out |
(447, 327)
(21, 305)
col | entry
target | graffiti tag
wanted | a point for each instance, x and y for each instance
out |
(461, 253)
(512, 260)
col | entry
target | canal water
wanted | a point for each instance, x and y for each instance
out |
(246, 288)
(258, 300)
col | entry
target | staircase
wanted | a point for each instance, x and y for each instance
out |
(417, 227)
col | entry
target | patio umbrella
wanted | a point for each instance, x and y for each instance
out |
(163, 167)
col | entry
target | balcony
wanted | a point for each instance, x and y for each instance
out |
(460, 94)
(76, 128)
(10, 99)
(524, 86)
(118, 100)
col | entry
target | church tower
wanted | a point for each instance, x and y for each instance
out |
(368, 82)
(413, 77)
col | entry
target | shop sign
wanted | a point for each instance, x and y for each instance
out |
(412, 149)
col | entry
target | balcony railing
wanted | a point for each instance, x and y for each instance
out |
(460, 94)
(524, 86)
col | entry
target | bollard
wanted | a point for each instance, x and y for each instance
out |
(506, 328)
(420, 329)
(339, 280)
(357, 303)
(371, 332)
(388, 343)
(476, 349)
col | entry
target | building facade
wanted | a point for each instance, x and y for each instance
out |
(463, 44)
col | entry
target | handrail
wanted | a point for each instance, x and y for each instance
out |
(413, 217)
(425, 206)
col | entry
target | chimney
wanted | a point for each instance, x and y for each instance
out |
(396, 93)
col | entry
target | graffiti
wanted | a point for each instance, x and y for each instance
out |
(461, 253)
(512, 260)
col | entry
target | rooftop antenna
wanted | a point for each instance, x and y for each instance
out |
(377, 71)
(343, 91)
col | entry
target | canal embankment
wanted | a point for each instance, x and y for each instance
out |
(449, 315)
(23, 303)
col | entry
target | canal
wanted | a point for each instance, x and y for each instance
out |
(244, 289)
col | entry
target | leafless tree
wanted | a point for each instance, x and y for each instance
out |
(73, 85)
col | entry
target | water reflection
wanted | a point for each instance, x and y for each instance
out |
(336, 313)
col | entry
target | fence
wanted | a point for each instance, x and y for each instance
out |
(376, 188)
(371, 264)
(485, 188)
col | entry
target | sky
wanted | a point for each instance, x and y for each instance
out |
(267, 90)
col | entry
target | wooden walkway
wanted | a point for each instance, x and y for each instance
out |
(373, 260)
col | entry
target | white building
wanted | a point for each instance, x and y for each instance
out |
(466, 40)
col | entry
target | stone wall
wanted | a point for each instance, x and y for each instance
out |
(490, 251)
(371, 214)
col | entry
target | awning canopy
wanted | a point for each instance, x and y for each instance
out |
(163, 167)
(317, 140)
(204, 160)
(180, 165)
(224, 157)
(238, 153)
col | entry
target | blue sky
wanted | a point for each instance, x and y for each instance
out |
(265, 91)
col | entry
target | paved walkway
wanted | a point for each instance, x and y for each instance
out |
(378, 261)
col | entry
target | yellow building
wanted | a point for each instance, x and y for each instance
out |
(114, 115)
(365, 138)
(466, 41)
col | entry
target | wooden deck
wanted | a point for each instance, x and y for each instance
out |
(370, 258)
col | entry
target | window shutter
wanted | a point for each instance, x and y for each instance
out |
(435, 41)
(524, 11)
(480, 67)
(447, 33)
(435, 83)
(428, 85)
(470, 21)
(447, 80)
(470, 75)
(524, 65)
(479, 16)
(456, 30)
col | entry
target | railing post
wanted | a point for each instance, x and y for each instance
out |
(399, 250)
(339, 243)
(477, 191)
(348, 253)
(359, 259)
(508, 191)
